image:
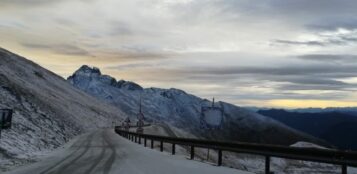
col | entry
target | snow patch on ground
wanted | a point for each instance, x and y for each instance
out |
(307, 145)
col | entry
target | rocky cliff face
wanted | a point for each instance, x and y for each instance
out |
(85, 74)
(179, 109)
(47, 110)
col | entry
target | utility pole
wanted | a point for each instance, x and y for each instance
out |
(140, 122)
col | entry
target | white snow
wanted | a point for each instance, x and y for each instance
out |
(110, 153)
(307, 144)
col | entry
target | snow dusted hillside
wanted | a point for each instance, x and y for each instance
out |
(47, 110)
(179, 109)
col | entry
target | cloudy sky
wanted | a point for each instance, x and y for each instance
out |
(297, 53)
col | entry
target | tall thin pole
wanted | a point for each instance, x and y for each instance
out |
(140, 122)
(208, 154)
(2, 122)
(140, 104)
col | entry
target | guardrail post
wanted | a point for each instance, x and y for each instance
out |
(152, 143)
(219, 163)
(145, 141)
(173, 149)
(161, 146)
(192, 152)
(139, 139)
(344, 169)
(267, 164)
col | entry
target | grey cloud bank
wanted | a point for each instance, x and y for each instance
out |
(278, 48)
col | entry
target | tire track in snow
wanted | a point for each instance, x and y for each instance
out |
(68, 156)
(99, 158)
(109, 163)
(64, 167)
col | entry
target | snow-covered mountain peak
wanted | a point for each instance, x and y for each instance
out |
(89, 71)
(86, 74)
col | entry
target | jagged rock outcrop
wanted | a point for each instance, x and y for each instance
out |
(85, 74)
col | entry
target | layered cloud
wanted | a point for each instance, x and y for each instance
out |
(247, 53)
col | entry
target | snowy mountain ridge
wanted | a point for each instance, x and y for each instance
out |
(182, 110)
(48, 111)
(105, 79)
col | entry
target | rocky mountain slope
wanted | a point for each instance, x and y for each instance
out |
(177, 108)
(48, 111)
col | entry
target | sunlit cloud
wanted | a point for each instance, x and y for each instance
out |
(272, 53)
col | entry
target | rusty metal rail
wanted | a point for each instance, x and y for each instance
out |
(337, 157)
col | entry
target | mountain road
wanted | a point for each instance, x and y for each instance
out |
(105, 152)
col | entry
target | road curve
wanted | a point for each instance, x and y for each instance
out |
(104, 152)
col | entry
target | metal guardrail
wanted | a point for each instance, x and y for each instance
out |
(134, 125)
(330, 156)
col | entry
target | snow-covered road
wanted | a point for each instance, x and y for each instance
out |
(105, 152)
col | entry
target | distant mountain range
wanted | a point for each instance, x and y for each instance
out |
(347, 110)
(337, 127)
(177, 108)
